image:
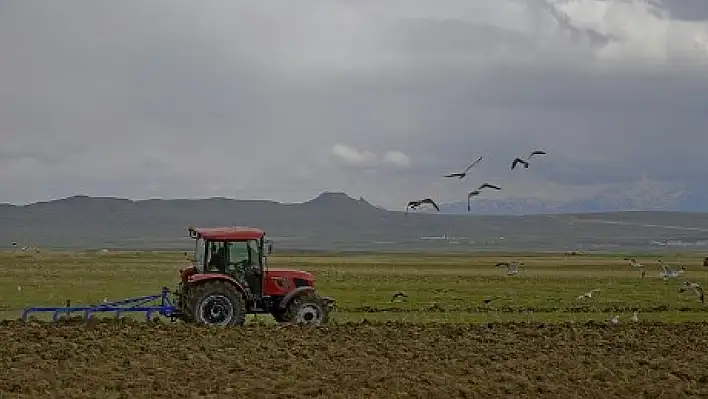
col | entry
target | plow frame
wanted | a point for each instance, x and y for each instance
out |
(138, 304)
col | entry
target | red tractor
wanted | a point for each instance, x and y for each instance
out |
(229, 278)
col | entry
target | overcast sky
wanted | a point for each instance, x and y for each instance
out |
(282, 100)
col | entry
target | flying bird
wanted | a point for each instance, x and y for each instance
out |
(487, 185)
(478, 191)
(398, 295)
(461, 175)
(416, 204)
(695, 287)
(525, 162)
(519, 161)
(469, 197)
(537, 152)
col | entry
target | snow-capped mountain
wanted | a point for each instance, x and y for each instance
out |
(635, 197)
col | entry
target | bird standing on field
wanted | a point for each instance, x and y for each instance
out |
(696, 287)
(667, 272)
(588, 294)
(398, 294)
(512, 268)
(488, 300)
(636, 265)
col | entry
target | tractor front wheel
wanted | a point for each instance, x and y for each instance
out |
(307, 309)
(217, 303)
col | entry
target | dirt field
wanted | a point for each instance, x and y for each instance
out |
(356, 360)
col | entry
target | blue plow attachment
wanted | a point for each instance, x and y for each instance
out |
(149, 305)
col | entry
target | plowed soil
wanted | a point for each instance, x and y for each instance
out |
(134, 360)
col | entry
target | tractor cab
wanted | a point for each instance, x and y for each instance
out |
(237, 252)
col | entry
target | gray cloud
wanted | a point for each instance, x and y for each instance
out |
(243, 99)
(690, 10)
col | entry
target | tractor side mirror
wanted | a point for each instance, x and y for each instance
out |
(270, 248)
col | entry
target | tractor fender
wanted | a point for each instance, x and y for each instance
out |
(199, 278)
(292, 294)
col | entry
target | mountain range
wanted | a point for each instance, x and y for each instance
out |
(638, 196)
(335, 221)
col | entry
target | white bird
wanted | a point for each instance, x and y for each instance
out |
(667, 272)
(633, 263)
(511, 268)
(398, 294)
(696, 287)
(588, 294)
(635, 317)
(636, 265)
(19, 288)
(615, 320)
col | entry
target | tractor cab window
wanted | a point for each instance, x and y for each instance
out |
(217, 257)
(238, 260)
(199, 255)
(238, 253)
(253, 252)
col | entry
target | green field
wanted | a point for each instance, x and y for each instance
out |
(537, 339)
(441, 287)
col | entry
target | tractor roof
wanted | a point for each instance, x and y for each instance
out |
(237, 233)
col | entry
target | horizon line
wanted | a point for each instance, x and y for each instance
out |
(136, 200)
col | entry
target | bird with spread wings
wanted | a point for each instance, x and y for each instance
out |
(525, 162)
(415, 204)
(461, 175)
(478, 191)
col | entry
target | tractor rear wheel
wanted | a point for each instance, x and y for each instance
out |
(217, 303)
(307, 309)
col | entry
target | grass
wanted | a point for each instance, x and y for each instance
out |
(440, 287)
(442, 342)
